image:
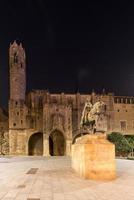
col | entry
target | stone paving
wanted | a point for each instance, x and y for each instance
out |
(39, 178)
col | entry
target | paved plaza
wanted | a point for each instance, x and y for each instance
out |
(39, 178)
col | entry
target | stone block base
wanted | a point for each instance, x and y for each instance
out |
(93, 157)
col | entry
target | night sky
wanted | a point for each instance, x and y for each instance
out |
(69, 46)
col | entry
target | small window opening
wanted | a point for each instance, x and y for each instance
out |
(15, 58)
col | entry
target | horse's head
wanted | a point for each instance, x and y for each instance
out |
(88, 105)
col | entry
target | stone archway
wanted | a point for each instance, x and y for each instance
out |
(57, 143)
(35, 144)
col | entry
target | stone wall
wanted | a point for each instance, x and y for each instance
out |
(4, 134)
(44, 112)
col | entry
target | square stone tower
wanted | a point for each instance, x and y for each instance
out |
(17, 107)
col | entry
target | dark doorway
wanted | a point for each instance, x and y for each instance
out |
(35, 145)
(51, 146)
(56, 144)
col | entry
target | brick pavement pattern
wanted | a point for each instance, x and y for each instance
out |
(55, 180)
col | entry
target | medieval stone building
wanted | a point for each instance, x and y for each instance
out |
(41, 123)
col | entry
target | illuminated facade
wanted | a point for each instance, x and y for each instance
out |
(41, 123)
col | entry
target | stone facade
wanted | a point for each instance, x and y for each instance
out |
(4, 134)
(41, 123)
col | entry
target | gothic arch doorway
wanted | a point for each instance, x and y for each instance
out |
(35, 144)
(57, 143)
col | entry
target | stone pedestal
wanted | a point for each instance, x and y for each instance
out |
(93, 157)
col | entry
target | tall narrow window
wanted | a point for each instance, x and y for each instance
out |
(123, 125)
(15, 58)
